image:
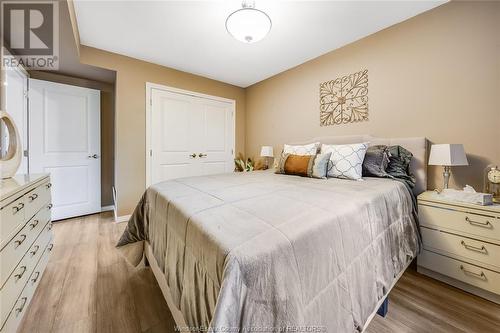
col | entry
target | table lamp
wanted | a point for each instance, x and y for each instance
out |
(266, 152)
(447, 155)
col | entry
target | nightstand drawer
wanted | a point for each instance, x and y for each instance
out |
(462, 247)
(469, 224)
(471, 274)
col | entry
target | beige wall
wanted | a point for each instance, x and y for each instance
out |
(436, 75)
(130, 121)
(107, 125)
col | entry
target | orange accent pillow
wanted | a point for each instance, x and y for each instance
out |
(297, 165)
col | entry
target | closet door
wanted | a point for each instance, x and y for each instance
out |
(190, 136)
(176, 128)
(216, 143)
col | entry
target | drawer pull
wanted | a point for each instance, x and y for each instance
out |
(477, 275)
(17, 208)
(35, 250)
(49, 248)
(49, 185)
(481, 249)
(486, 224)
(49, 206)
(33, 196)
(18, 276)
(33, 224)
(35, 278)
(49, 226)
(20, 308)
(20, 241)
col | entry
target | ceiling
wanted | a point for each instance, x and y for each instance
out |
(69, 60)
(190, 35)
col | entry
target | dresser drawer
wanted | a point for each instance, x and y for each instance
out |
(17, 280)
(466, 248)
(468, 224)
(471, 274)
(36, 199)
(22, 241)
(21, 305)
(11, 217)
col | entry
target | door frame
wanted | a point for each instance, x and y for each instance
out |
(149, 115)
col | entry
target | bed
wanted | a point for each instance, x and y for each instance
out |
(262, 252)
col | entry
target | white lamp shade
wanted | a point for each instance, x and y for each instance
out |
(448, 154)
(266, 151)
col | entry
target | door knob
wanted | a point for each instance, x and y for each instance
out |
(193, 155)
(201, 155)
(94, 156)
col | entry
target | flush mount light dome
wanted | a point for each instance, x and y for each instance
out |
(248, 24)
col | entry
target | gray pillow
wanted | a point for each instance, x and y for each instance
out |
(376, 161)
(399, 165)
(321, 165)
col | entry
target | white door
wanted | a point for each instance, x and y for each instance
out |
(190, 135)
(16, 105)
(64, 127)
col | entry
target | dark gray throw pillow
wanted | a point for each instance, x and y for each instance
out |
(399, 164)
(376, 161)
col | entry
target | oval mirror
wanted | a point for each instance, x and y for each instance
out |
(10, 147)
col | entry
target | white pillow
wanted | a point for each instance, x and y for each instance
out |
(347, 160)
(303, 150)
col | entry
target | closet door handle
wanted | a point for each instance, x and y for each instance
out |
(201, 155)
(94, 156)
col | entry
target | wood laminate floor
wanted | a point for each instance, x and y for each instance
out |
(88, 287)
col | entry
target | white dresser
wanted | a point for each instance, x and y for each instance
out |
(25, 243)
(461, 244)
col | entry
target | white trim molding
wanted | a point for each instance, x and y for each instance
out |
(107, 208)
(149, 88)
(123, 218)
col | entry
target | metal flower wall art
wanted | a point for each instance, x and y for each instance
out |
(344, 100)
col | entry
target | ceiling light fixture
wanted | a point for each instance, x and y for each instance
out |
(248, 24)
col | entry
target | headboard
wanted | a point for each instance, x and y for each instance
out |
(417, 146)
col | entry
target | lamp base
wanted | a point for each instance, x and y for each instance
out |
(446, 175)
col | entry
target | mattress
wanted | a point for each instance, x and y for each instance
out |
(261, 251)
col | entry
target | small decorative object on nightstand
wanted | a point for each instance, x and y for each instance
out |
(492, 182)
(447, 155)
(267, 153)
(461, 244)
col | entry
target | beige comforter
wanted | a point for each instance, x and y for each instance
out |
(260, 251)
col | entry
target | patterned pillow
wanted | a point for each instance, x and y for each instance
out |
(304, 165)
(310, 149)
(347, 160)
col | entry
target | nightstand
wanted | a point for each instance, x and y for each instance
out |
(461, 244)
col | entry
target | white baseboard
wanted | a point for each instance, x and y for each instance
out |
(107, 208)
(123, 218)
